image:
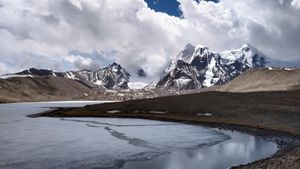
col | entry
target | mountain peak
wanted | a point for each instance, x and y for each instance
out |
(188, 46)
(112, 77)
(38, 72)
(190, 52)
(85, 70)
(246, 45)
(113, 64)
(197, 67)
(199, 46)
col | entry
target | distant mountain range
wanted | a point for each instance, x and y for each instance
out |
(195, 67)
(111, 77)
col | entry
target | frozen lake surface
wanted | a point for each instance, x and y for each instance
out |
(112, 143)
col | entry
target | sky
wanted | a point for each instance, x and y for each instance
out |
(76, 34)
(171, 7)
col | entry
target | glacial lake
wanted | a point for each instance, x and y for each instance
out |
(114, 143)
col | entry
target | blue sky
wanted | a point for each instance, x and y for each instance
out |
(170, 7)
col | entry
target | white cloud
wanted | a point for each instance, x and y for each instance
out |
(82, 62)
(3, 68)
(140, 37)
(271, 26)
(296, 4)
(76, 3)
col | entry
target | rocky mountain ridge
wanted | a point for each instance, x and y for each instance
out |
(113, 76)
(197, 67)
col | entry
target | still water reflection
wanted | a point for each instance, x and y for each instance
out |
(240, 149)
(117, 143)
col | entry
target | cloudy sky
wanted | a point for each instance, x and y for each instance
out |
(76, 34)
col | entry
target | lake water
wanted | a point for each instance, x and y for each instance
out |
(112, 143)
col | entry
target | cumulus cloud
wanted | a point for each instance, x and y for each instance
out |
(81, 62)
(46, 33)
(3, 68)
(296, 4)
(271, 26)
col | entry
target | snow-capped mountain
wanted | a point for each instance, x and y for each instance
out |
(193, 68)
(111, 77)
(33, 72)
(198, 67)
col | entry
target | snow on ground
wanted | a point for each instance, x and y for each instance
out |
(14, 75)
(151, 85)
(136, 85)
(210, 74)
(113, 111)
(98, 82)
(182, 82)
(288, 69)
(244, 54)
(70, 75)
(205, 114)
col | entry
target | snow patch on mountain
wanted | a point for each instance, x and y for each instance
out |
(14, 75)
(181, 82)
(137, 85)
(71, 75)
(198, 67)
(112, 77)
(246, 54)
(151, 86)
(209, 74)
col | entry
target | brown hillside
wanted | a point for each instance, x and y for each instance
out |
(43, 88)
(265, 80)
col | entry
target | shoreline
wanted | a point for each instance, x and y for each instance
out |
(287, 142)
(274, 115)
(58, 112)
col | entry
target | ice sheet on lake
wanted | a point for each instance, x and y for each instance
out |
(98, 142)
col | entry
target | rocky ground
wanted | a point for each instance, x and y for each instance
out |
(288, 160)
(275, 113)
(51, 88)
(267, 79)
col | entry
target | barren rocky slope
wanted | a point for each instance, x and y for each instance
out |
(44, 89)
(55, 88)
(265, 80)
(113, 76)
